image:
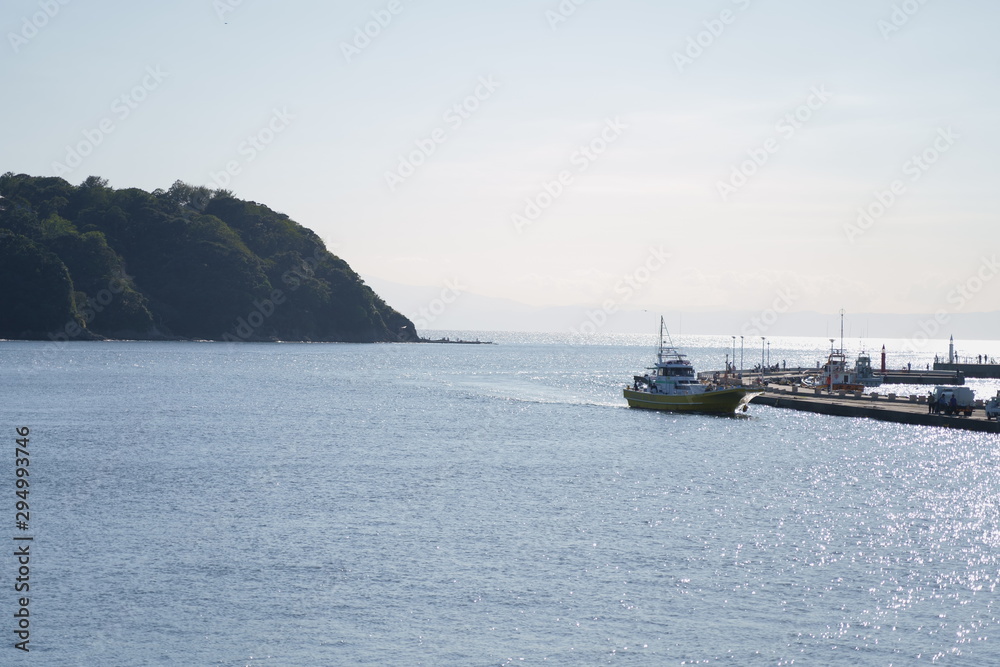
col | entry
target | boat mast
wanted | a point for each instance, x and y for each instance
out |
(841, 330)
(664, 339)
(659, 352)
(666, 342)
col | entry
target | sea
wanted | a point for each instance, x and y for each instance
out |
(292, 504)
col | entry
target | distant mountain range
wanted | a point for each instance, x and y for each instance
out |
(86, 262)
(469, 311)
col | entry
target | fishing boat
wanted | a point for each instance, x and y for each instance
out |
(673, 385)
(835, 375)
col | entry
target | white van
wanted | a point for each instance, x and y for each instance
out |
(964, 400)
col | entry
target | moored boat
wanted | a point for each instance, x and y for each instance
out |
(673, 385)
(864, 373)
(836, 375)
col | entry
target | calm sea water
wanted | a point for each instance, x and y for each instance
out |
(292, 504)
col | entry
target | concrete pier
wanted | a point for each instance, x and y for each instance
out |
(991, 371)
(886, 407)
(922, 377)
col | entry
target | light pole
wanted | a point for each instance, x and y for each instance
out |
(734, 350)
(830, 364)
(768, 354)
(741, 359)
(762, 339)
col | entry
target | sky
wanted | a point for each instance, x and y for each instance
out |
(752, 155)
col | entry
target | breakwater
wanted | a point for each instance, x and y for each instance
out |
(991, 371)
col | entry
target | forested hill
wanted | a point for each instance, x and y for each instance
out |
(88, 261)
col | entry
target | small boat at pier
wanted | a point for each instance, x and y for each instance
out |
(837, 376)
(864, 372)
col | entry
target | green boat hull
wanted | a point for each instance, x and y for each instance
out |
(721, 402)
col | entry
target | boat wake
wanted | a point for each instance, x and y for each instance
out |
(610, 402)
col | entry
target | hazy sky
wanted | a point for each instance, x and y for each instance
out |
(680, 155)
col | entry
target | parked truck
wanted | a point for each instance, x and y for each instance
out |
(953, 400)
